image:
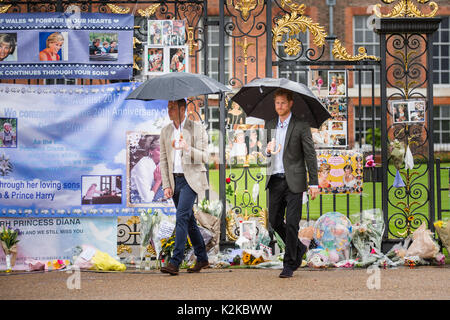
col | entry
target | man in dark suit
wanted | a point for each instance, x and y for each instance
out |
(290, 151)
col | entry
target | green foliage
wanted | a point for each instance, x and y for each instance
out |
(369, 137)
(280, 241)
(9, 237)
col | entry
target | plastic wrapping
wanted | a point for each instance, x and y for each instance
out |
(149, 222)
(443, 231)
(211, 223)
(318, 258)
(104, 262)
(263, 238)
(94, 259)
(397, 150)
(367, 234)
(332, 233)
(423, 244)
(252, 257)
(409, 159)
(306, 232)
(162, 230)
(34, 265)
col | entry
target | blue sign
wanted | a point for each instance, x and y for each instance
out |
(62, 45)
(79, 151)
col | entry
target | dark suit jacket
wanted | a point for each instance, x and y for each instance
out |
(298, 154)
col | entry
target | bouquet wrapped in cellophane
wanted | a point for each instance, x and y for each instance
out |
(149, 222)
(208, 216)
(367, 234)
(443, 230)
(8, 239)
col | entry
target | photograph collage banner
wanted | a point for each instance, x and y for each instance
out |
(166, 50)
(62, 45)
(330, 86)
(79, 151)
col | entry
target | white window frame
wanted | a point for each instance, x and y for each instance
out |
(440, 44)
(215, 60)
(368, 45)
(439, 145)
(366, 116)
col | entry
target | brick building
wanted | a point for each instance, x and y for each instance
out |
(247, 51)
(351, 22)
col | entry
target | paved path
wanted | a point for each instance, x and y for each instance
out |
(424, 283)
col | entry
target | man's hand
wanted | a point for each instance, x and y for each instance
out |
(313, 192)
(183, 144)
(168, 193)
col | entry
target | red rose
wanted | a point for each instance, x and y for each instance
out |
(228, 180)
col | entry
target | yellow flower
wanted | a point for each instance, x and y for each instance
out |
(257, 261)
(246, 258)
(439, 224)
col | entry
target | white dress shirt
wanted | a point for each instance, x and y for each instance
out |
(178, 153)
(280, 138)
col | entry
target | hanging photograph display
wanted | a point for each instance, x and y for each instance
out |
(333, 132)
(331, 88)
(319, 82)
(154, 60)
(408, 111)
(340, 171)
(337, 83)
(165, 50)
(159, 60)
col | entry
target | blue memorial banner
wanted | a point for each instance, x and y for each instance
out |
(50, 238)
(79, 151)
(66, 45)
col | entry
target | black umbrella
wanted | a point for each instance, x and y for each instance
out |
(176, 85)
(257, 100)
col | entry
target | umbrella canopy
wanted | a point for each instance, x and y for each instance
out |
(257, 100)
(175, 86)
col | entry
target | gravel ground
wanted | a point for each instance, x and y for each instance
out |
(423, 283)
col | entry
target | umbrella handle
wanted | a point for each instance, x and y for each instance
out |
(175, 147)
(173, 142)
(278, 150)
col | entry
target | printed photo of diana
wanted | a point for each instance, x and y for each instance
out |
(8, 43)
(144, 173)
(53, 46)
